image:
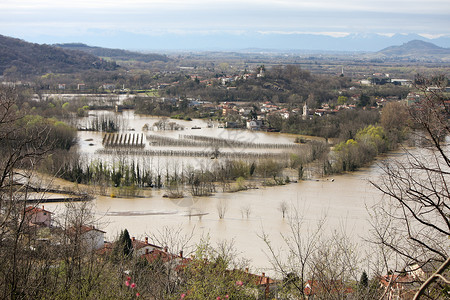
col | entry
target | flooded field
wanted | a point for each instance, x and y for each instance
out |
(192, 146)
(342, 201)
(247, 214)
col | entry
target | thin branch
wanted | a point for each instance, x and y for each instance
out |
(432, 278)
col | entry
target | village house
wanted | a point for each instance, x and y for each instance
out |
(365, 82)
(226, 80)
(268, 107)
(296, 110)
(142, 247)
(263, 284)
(335, 287)
(91, 237)
(36, 216)
(285, 114)
(245, 111)
(399, 287)
(163, 255)
(254, 124)
(173, 262)
(324, 111)
(242, 77)
(422, 271)
(402, 82)
(412, 98)
(228, 109)
(108, 86)
(404, 286)
(163, 85)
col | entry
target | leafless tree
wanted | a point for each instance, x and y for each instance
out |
(316, 262)
(222, 208)
(334, 266)
(283, 208)
(293, 260)
(21, 147)
(160, 274)
(36, 259)
(245, 211)
(413, 217)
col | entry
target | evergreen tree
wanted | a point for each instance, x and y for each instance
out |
(364, 280)
(124, 246)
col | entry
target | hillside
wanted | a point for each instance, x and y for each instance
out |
(21, 59)
(416, 49)
(116, 54)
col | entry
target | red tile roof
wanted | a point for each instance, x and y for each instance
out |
(106, 250)
(315, 286)
(157, 254)
(137, 244)
(84, 229)
(35, 209)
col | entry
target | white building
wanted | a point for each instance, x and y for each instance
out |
(141, 248)
(90, 237)
(254, 124)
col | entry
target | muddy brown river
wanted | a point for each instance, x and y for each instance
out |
(341, 199)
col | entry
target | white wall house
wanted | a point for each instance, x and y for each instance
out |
(38, 216)
(90, 237)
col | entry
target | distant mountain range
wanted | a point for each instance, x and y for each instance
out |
(115, 54)
(228, 41)
(20, 58)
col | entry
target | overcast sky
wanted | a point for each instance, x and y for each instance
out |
(29, 19)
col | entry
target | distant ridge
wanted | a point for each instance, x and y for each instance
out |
(21, 59)
(116, 54)
(416, 49)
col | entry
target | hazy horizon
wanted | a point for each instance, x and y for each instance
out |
(201, 24)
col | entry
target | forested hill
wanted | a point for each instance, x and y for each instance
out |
(116, 54)
(417, 49)
(21, 59)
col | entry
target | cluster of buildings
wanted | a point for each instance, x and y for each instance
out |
(394, 286)
(38, 218)
(255, 117)
(93, 239)
(383, 78)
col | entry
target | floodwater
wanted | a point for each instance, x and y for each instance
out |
(342, 200)
(90, 142)
(129, 122)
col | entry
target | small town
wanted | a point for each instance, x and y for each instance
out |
(207, 150)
